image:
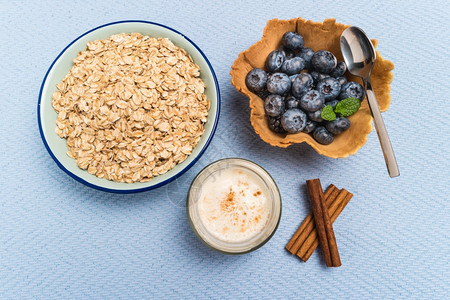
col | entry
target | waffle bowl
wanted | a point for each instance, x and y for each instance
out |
(318, 36)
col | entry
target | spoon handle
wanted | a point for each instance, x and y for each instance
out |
(383, 136)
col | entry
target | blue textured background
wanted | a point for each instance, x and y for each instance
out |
(60, 239)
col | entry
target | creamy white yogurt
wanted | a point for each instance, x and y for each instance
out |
(233, 204)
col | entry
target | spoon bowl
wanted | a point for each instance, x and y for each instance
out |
(358, 52)
(360, 56)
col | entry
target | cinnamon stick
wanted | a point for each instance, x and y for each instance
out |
(330, 237)
(334, 210)
(307, 226)
(316, 196)
(312, 240)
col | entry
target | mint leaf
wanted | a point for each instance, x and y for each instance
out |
(328, 113)
(347, 107)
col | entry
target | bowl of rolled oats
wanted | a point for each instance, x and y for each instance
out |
(128, 106)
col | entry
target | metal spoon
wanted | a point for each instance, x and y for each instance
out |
(359, 55)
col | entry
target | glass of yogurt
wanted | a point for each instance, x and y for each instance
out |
(234, 206)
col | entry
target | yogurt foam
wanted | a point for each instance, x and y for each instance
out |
(233, 204)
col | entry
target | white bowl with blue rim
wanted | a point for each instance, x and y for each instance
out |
(57, 147)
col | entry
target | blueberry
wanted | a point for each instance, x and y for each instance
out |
(323, 136)
(256, 80)
(306, 53)
(338, 125)
(318, 76)
(263, 94)
(352, 89)
(322, 76)
(309, 127)
(292, 40)
(274, 61)
(314, 75)
(312, 101)
(323, 61)
(278, 83)
(288, 54)
(329, 87)
(274, 105)
(291, 102)
(275, 124)
(339, 70)
(342, 80)
(302, 83)
(293, 120)
(293, 66)
(316, 116)
(292, 77)
(332, 103)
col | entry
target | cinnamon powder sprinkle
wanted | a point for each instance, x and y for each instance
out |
(257, 193)
(242, 183)
(229, 202)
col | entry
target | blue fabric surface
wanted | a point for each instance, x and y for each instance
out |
(60, 239)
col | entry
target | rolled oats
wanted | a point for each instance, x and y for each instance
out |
(131, 108)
